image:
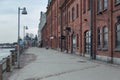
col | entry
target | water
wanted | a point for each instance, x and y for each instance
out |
(5, 52)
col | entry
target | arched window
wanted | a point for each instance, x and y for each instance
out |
(98, 6)
(73, 14)
(87, 42)
(118, 36)
(84, 6)
(77, 40)
(105, 4)
(77, 10)
(105, 37)
(117, 1)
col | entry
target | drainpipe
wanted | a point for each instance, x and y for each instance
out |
(66, 22)
(51, 26)
(60, 28)
(110, 23)
(91, 25)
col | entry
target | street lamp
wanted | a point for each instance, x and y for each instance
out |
(24, 12)
(24, 34)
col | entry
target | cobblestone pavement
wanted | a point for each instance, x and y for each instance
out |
(54, 65)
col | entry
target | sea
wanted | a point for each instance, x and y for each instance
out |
(5, 52)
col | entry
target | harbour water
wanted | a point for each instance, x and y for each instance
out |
(5, 52)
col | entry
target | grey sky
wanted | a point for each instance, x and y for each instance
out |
(9, 17)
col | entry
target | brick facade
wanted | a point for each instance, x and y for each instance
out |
(51, 30)
(71, 19)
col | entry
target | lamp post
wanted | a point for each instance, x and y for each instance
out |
(24, 12)
(24, 34)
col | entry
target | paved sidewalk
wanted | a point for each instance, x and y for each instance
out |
(54, 65)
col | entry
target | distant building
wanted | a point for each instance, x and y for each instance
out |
(49, 1)
(41, 24)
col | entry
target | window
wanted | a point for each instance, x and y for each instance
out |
(105, 4)
(118, 36)
(69, 16)
(77, 10)
(98, 6)
(88, 4)
(99, 41)
(84, 6)
(77, 40)
(74, 44)
(105, 37)
(59, 21)
(73, 14)
(69, 42)
(87, 42)
(64, 19)
(117, 1)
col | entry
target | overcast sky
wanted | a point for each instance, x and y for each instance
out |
(9, 17)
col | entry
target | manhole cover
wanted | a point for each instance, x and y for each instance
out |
(72, 58)
(32, 79)
(81, 61)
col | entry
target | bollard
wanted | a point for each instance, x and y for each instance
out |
(13, 56)
(4, 65)
(9, 64)
(13, 62)
(1, 70)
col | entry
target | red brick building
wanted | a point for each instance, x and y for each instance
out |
(108, 30)
(77, 27)
(51, 30)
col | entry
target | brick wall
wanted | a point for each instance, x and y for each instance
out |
(80, 24)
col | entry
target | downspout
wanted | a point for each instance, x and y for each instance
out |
(60, 27)
(110, 20)
(66, 22)
(51, 26)
(91, 31)
(81, 27)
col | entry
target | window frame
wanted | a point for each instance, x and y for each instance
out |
(116, 42)
(77, 41)
(104, 34)
(69, 18)
(98, 6)
(77, 10)
(73, 14)
(84, 6)
(117, 2)
(105, 2)
(88, 4)
(99, 38)
(87, 43)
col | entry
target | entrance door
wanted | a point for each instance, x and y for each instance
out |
(73, 43)
(87, 42)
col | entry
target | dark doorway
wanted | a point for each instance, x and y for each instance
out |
(87, 42)
(73, 43)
